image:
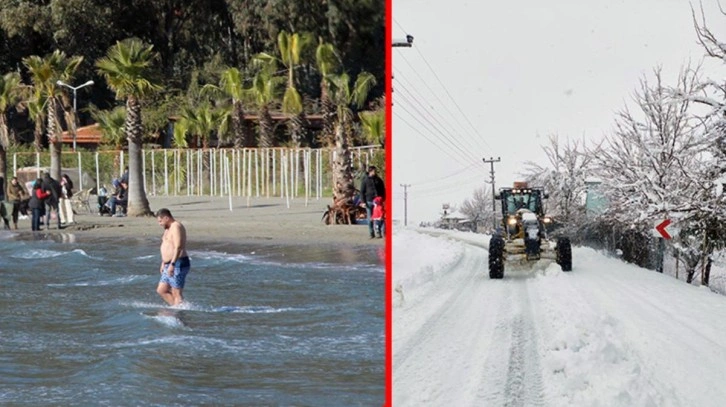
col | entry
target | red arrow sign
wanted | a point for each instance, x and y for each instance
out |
(661, 228)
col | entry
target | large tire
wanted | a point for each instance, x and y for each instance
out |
(564, 253)
(496, 257)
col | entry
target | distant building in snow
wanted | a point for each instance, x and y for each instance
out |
(595, 201)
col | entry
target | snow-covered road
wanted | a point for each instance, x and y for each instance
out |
(606, 334)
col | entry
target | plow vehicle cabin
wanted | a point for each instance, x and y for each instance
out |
(522, 236)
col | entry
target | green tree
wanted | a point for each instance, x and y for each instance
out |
(373, 125)
(231, 84)
(11, 93)
(292, 47)
(327, 61)
(111, 122)
(45, 74)
(264, 92)
(127, 68)
(199, 122)
(344, 97)
(36, 110)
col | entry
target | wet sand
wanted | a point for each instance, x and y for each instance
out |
(210, 223)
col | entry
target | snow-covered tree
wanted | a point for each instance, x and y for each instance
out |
(652, 163)
(563, 179)
(478, 208)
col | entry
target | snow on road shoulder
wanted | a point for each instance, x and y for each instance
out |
(420, 258)
(615, 334)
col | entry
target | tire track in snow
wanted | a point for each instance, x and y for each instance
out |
(512, 374)
(440, 362)
(410, 346)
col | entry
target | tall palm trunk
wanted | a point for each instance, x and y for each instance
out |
(328, 134)
(343, 181)
(54, 140)
(38, 133)
(266, 128)
(138, 204)
(243, 134)
(4, 143)
(298, 133)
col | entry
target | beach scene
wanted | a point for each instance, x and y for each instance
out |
(269, 318)
(259, 126)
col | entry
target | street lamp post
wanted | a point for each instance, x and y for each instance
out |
(74, 89)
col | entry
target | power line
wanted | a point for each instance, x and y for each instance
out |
(449, 94)
(477, 137)
(451, 138)
(428, 87)
(435, 144)
(431, 125)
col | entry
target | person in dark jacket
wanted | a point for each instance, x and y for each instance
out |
(37, 203)
(119, 197)
(371, 187)
(16, 195)
(53, 188)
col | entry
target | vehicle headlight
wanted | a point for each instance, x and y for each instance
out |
(547, 219)
(512, 221)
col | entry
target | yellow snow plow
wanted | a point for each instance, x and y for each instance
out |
(522, 235)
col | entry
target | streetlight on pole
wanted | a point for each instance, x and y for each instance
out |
(61, 83)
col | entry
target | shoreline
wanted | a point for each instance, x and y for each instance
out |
(266, 222)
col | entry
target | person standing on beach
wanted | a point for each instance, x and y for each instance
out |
(53, 188)
(372, 187)
(65, 206)
(37, 204)
(174, 259)
(16, 195)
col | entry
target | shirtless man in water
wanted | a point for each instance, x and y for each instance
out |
(174, 260)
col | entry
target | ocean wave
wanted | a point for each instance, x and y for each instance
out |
(100, 283)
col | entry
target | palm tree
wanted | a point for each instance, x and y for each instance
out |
(11, 93)
(292, 46)
(127, 68)
(111, 123)
(36, 109)
(45, 73)
(343, 97)
(327, 61)
(201, 122)
(373, 124)
(265, 91)
(232, 84)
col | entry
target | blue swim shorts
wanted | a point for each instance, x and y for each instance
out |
(181, 268)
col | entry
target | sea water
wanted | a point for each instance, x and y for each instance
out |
(82, 324)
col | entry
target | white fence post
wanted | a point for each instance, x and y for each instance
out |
(98, 175)
(153, 174)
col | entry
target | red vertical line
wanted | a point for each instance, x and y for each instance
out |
(389, 206)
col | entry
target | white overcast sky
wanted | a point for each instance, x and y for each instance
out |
(518, 72)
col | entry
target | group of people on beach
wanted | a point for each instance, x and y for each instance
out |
(115, 202)
(48, 198)
(373, 193)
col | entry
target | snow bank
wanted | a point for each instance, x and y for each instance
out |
(420, 258)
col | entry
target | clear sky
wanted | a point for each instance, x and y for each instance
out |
(494, 79)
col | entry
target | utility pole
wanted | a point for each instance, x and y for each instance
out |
(491, 162)
(405, 203)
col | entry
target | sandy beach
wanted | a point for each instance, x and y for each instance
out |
(209, 221)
